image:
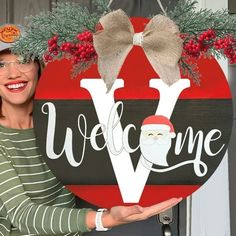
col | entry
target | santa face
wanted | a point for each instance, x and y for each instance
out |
(155, 145)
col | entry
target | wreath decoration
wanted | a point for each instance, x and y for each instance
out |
(68, 32)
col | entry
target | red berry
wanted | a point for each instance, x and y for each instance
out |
(50, 49)
(50, 42)
(55, 38)
(201, 37)
(46, 57)
(54, 46)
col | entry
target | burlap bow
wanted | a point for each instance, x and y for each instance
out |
(160, 41)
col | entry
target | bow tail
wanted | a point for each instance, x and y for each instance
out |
(109, 66)
(169, 74)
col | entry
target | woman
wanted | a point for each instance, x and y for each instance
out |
(32, 200)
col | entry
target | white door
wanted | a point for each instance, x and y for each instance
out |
(209, 213)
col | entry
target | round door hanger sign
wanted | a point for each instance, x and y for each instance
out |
(143, 141)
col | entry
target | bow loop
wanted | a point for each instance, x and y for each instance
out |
(160, 41)
(161, 23)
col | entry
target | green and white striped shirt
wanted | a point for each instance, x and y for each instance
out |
(32, 200)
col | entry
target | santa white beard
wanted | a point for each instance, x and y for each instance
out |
(155, 150)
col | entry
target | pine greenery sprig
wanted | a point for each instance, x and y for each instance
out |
(101, 6)
(65, 19)
(189, 69)
(192, 21)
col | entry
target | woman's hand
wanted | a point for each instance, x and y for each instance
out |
(119, 215)
(125, 214)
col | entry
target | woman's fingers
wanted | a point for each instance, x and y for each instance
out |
(160, 207)
(120, 214)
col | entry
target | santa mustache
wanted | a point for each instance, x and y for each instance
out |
(154, 140)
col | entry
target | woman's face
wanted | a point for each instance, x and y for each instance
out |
(17, 81)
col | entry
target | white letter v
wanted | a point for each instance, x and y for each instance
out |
(131, 182)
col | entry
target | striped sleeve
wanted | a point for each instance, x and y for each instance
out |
(32, 218)
(4, 226)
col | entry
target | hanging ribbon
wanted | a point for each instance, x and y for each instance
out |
(160, 41)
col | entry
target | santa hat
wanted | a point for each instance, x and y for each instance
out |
(158, 122)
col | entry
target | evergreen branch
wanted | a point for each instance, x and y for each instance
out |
(190, 20)
(81, 67)
(189, 69)
(65, 20)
